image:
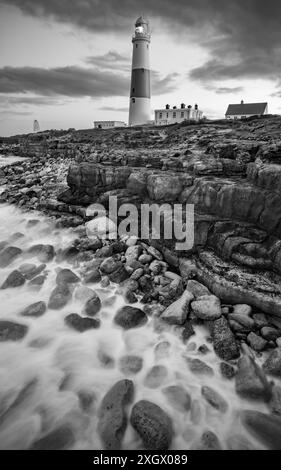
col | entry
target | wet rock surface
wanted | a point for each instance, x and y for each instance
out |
(152, 424)
(81, 324)
(112, 415)
(130, 317)
(59, 297)
(10, 331)
(35, 310)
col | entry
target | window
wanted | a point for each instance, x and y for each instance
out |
(133, 90)
(174, 114)
(133, 100)
(136, 46)
(182, 114)
(167, 115)
(147, 46)
(160, 116)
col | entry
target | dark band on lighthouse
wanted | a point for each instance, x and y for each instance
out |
(140, 83)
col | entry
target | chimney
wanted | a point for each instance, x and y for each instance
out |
(189, 106)
(196, 106)
(242, 102)
(167, 106)
(174, 107)
(182, 106)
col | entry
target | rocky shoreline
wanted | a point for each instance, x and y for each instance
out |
(229, 283)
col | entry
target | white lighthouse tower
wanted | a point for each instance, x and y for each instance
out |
(140, 110)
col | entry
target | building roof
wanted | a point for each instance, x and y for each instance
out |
(246, 108)
(141, 20)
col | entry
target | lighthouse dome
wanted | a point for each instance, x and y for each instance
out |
(141, 20)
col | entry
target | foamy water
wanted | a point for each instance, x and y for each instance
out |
(58, 363)
(8, 160)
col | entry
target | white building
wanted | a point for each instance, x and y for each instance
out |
(246, 110)
(177, 115)
(108, 124)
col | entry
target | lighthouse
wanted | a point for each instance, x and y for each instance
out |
(139, 112)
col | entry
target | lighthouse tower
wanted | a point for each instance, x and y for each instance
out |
(139, 112)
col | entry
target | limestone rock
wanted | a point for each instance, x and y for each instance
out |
(207, 307)
(177, 312)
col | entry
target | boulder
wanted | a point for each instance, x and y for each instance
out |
(197, 289)
(8, 255)
(15, 279)
(208, 441)
(250, 380)
(130, 364)
(61, 438)
(188, 331)
(130, 317)
(59, 297)
(265, 428)
(30, 271)
(227, 370)
(45, 253)
(92, 277)
(207, 307)
(177, 312)
(38, 281)
(119, 275)
(155, 376)
(101, 227)
(109, 265)
(272, 364)
(11, 331)
(35, 310)
(92, 306)
(66, 276)
(112, 414)
(81, 324)
(199, 367)
(145, 259)
(214, 399)
(152, 424)
(132, 254)
(84, 293)
(178, 397)
(242, 309)
(224, 340)
(269, 333)
(256, 342)
(275, 402)
(154, 253)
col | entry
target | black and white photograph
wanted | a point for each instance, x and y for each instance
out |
(140, 230)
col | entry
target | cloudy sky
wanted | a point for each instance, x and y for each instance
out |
(67, 62)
